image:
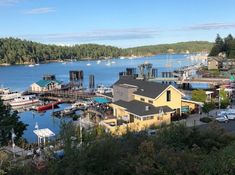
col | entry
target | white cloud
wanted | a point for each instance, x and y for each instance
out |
(42, 10)
(211, 26)
(9, 2)
(99, 35)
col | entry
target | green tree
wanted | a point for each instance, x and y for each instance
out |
(224, 99)
(218, 46)
(207, 107)
(9, 119)
(199, 95)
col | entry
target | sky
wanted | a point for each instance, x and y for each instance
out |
(122, 23)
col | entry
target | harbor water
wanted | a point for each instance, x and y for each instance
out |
(106, 72)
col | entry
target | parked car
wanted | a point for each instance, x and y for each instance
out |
(231, 115)
(222, 118)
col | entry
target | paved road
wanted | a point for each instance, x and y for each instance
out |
(229, 127)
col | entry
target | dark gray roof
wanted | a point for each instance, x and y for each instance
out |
(145, 88)
(139, 108)
(108, 95)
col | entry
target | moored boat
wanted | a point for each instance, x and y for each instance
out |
(24, 100)
(46, 106)
(6, 94)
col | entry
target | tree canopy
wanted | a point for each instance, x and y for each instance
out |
(175, 149)
(9, 120)
(199, 95)
(226, 45)
(17, 51)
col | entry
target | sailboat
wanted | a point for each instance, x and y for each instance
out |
(37, 64)
(108, 63)
(31, 65)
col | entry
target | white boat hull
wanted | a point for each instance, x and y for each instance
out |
(23, 103)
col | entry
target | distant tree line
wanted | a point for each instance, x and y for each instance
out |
(17, 51)
(226, 45)
(181, 47)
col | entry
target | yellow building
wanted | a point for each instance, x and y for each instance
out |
(139, 104)
(190, 106)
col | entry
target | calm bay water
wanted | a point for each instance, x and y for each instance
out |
(21, 77)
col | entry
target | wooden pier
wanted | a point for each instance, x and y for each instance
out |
(64, 95)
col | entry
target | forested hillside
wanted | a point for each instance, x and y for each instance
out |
(17, 51)
(181, 47)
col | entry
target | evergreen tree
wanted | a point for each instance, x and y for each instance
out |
(9, 120)
(218, 46)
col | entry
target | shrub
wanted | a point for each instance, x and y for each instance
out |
(205, 119)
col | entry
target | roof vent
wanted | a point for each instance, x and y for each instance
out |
(142, 90)
(146, 108)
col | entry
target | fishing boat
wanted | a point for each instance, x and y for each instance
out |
(24, 100)
(6, 94)
(48, 106)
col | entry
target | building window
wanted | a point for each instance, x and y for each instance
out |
(150, 101)
(148, 118)
(142, 99)
(136, 117)
(168, 95)
(160, 118)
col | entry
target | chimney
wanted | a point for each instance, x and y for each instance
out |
(146, 108)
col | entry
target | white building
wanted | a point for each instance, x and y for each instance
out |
(45, 85)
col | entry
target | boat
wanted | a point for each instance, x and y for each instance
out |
(31, 65)
(82, 104)
(122, 58)
(24, 100)
(88, 64)
(6, 94)
(108, 63)
(46, 106)
(113, 62)
(98, 61)
(101, 89)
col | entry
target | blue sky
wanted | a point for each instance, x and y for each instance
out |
(122, 23)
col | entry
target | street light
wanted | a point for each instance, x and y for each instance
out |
(13, 136)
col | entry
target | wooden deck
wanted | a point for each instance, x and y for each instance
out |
(64, 95)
